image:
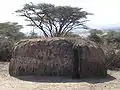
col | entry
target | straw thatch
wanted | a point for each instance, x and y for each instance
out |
(91, 62)
(57, 57)
(42, 57)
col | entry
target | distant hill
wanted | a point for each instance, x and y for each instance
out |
(114, 28)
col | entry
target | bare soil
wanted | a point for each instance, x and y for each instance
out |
(111, 82)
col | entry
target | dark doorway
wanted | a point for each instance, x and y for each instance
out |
(77, 62)
(80, 61)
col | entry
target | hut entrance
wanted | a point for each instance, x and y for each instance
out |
(77, 62)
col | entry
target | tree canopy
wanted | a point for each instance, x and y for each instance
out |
(100, 36)
(54, 20)
(11, 30)
(96, 36)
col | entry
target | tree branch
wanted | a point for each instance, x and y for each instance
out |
(40, 27)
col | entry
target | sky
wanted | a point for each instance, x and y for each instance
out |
(106, 12)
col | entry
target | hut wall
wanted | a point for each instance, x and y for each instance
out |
(57, 57)
(42, 57)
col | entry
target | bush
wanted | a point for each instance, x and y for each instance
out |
(5, 49)
(112, 53)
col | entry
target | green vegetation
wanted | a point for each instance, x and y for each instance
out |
(110, 42)
(5, 49)
(11, 30)
(9, 33)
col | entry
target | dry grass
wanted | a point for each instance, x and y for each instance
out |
(56, 83)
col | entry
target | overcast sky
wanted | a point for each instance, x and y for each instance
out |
(106, 12)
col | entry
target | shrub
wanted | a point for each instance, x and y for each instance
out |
(112, 53)
(5, 49)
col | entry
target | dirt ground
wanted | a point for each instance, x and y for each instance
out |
(112, 82)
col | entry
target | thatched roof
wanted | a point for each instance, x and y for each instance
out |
(57, 56)
(75, 41)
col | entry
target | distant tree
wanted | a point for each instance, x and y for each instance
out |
(11, 30)
(108, 37)
(54, 20)
(33, 34)
(95, 31)
(113, 36)
(96, 36)
(71, 34)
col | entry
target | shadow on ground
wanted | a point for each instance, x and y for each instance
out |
(51, 79)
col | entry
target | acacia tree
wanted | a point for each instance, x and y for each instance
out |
(54, 20)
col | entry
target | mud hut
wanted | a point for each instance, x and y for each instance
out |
(57, 57)
(89, 59)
